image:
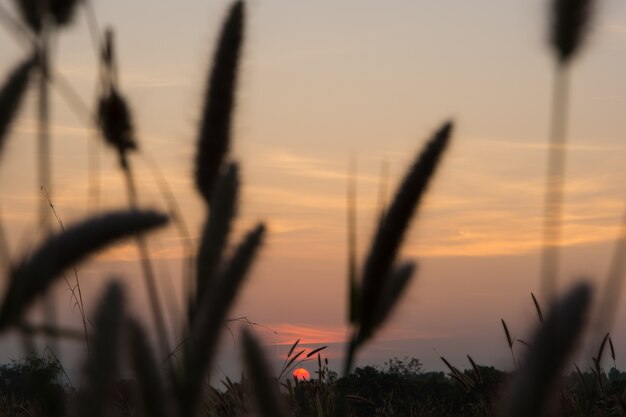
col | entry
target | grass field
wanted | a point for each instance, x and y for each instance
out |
(124, 373)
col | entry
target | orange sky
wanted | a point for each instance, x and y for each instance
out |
(321, 82)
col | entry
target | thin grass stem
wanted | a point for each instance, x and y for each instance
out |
(79, 299)
(553, 204)
(146, 264)
(353, 290)
(43, 135)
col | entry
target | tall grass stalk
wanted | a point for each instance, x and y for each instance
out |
(43, 129)
(393, 227)
(177, 217)
(353, 290)
(219, 102)
(203, 341)
(216, 230)
(146, 267)
(553, 202)
(569, 24)
(115, 122)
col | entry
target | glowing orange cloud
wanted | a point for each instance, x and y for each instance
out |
(288, 333)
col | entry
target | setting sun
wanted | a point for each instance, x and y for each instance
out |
(301, 374)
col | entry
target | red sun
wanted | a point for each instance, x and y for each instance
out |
(301, 374)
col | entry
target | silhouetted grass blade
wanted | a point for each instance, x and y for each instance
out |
(537, 307)
(33, 12)
(507, 333)
(476, 369)
(211, 314)
(11, 96)
(102, 370)
(456, 374)
(601, 349)
(156, 400)
(215, 304)
(353, 289)
(289, 363)
(293, 347)
(215, 126)
(314, 351)
(552, 345)
(612, 350)
(217, 228)
(394, 287)
(264, 387)
(63, 10)
(30, 12)
(569, 26)
(34, 274)
(395, 224)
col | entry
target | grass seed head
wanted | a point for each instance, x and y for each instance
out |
(394, 226)
(215, 126)
(11, 95)
(115, 121)
(63, 11)
(570, 20)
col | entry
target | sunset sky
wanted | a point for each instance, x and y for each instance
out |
(322, 82)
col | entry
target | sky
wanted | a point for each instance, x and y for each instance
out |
(322, 83)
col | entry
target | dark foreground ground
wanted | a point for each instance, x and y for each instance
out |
(38, 387)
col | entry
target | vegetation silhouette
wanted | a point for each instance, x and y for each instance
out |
(177, 385)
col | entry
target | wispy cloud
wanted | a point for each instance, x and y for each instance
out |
(30, 126)
(615, 28)
(312, 167)
(130, 78)
(542, 146)
(303, 198)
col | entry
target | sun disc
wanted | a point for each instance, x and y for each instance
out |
(301, 374)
